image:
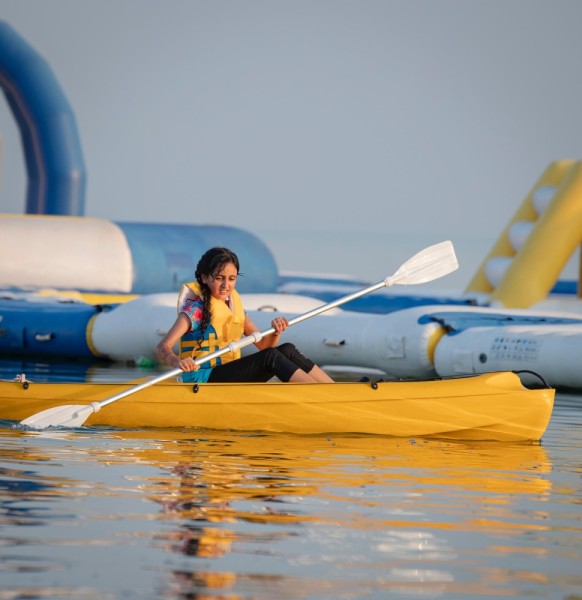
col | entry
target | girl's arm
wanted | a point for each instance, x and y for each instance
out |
(165, 349)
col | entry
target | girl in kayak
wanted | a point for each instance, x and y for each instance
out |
(211, 315)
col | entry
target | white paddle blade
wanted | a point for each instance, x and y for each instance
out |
(60, 416)
(429, 264)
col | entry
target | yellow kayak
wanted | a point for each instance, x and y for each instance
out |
(492, 406)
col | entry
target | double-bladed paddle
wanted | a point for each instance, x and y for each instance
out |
(429, 264)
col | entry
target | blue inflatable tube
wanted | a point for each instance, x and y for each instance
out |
(457, 322)
(52, 149)
(46, 328)
(100, 256)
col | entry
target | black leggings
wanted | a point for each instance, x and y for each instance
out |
(281, 361)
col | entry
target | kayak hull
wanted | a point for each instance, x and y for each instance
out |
(492, 406)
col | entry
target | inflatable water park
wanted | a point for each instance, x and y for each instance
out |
(84, 288)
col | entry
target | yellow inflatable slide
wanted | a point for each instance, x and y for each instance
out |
(526, 261)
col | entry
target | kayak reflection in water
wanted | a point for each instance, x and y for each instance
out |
(211, 316)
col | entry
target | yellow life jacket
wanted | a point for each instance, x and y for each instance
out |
(226, 325)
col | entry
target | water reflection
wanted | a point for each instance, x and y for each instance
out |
(58, 371)
(394, 498)
(236, 516)
(24, 491)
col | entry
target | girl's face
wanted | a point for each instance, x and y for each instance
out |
(221, 283)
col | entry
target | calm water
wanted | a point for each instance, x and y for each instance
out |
(97, 513)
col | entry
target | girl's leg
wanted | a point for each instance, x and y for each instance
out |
(285, 362)
(320, 375)
(257, 367)
(314, 372)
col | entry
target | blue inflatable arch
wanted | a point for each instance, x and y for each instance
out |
(52, 149)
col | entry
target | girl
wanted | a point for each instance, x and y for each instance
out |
(211, 315)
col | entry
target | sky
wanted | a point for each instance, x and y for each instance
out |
(347, 135)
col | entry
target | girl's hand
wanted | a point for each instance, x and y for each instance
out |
(187, 364)
(279, 324)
